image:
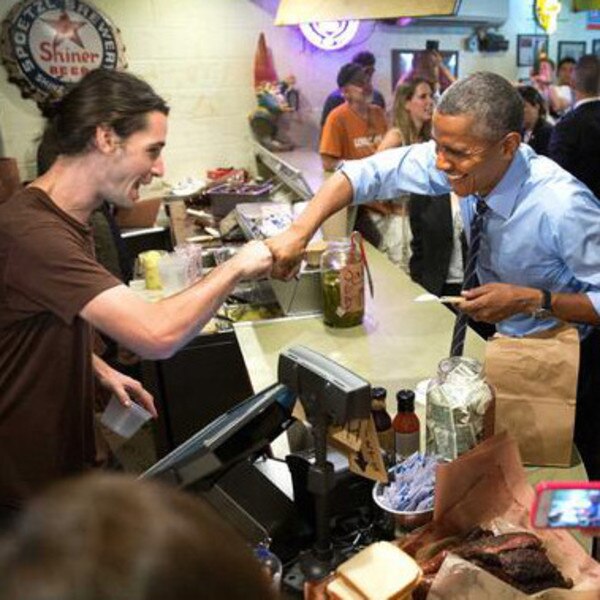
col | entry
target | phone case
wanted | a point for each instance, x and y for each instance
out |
(545, 486)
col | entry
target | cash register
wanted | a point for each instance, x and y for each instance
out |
(296, 503)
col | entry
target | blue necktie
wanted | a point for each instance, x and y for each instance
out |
(470, 279)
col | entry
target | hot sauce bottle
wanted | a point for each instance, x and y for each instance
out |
(383, 422)
(406, 426)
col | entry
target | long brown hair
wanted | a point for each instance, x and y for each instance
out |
(404, 92)
(107, 97)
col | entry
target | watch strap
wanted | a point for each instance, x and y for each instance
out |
(547, 300)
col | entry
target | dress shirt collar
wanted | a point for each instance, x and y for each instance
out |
(585, 101)
(503, 197)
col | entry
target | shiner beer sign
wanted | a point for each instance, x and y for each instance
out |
(47, 44)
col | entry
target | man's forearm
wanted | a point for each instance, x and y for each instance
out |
(156, 331)
(335, 194)
(571, 308)
(187, 312)
(574, 308)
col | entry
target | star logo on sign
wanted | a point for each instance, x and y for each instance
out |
(65, 29)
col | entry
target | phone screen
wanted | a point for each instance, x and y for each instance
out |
(568, 508)
(432, 45)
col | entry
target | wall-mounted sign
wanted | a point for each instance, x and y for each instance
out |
(330, 35)
(593, 19)
(546, 14)
(48, 44)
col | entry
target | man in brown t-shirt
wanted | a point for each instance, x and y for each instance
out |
(109, 129)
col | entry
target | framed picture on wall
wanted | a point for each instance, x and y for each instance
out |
(596, 47)
(574, 50)
(529, 47)
(403, 61)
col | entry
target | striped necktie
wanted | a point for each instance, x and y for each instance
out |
(470, 279)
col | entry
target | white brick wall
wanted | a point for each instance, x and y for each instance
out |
(199, 55)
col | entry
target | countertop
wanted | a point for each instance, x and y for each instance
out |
(399, 343)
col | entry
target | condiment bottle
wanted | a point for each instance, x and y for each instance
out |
(342, 281)
(406, 425)
(383, 422)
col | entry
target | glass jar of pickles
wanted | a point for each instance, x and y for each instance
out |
(343, 283)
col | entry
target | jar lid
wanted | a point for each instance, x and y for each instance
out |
(405, 400)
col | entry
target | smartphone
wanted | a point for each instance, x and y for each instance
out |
(567, 504)
(432, 45)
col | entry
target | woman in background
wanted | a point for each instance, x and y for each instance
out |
(412, 112)
(536, 129)
(411, 124)
(436, 261)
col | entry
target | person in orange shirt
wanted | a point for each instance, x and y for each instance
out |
(354, 130)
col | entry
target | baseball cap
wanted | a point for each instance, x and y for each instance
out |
(351, 73)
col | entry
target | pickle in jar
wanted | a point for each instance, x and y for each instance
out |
(334, 312)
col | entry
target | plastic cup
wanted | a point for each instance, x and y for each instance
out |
(173, 273)
(122, 420)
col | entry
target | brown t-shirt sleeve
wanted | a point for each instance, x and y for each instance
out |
(332, 137)
(54, 271)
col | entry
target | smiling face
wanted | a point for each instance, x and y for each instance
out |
(135, 161)
(473, 164)
(420, 105)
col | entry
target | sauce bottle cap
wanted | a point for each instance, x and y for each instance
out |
(405, 400)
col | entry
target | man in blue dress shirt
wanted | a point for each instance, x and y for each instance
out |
(539, 258)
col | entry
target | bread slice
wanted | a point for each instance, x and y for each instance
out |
(338, 589)
(379, 572)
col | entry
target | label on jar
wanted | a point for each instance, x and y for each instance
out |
(352, 289)
(406, 444)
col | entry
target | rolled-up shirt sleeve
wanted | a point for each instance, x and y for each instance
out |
(579, 244)
(388, 174)
(595, 300)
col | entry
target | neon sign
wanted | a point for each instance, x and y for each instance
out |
(329, 35)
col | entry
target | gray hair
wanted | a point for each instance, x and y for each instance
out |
(490, 99)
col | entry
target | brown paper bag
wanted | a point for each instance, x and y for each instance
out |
(535, 383)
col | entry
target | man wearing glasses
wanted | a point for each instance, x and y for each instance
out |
(539, 252)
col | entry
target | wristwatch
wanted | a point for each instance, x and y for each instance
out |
(545, 309)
